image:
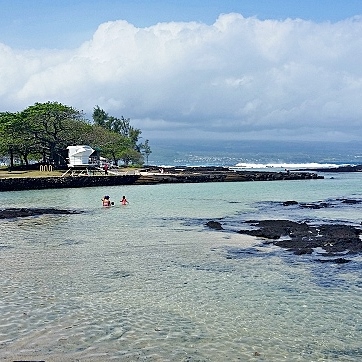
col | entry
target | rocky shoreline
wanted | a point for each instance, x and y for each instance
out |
(345, 168)
(152, 176)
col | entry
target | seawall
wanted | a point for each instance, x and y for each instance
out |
(38, 183)
(148, 178)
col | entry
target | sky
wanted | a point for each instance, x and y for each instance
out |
(197, 70)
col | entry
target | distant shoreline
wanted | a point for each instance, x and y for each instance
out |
(345, 168)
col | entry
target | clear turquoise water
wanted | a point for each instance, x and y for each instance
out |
(149, 282)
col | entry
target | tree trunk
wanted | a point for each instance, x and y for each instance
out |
(114, 159)
(52, 153)
(25, 156)
(44, 156)
(11, 151)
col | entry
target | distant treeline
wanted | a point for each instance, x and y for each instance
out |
(43, 132)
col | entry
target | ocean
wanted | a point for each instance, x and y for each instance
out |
(149, 281)
(254, 153)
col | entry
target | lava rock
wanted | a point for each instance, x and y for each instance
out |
(214, 225)
(290, 203)
(301, 238)
(12, 213)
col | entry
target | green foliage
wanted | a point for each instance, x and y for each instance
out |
(114, 124)
(146, 150)
(54, 126)
(14, 138)
(44, 130)
(123, 138)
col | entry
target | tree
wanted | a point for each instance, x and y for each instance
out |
(146, 150)
(7, 143)
(132, 156)
(125, 145)
(54, 126)
(44, 130)
(100, 117)
(15, 140)
(112, 145)
(119, 125)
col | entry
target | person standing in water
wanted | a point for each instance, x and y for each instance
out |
(124, 201)
(106, 201)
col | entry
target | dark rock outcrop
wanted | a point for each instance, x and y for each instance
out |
(214, 225)
(322, 204)
(315, 205)
(335, 261)
(345, 168)
(350, 201)
(193, 175)
(302, 238)
(290, 202)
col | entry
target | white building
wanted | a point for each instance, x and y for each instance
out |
(79, 155)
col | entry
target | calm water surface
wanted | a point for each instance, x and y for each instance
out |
(148, 281)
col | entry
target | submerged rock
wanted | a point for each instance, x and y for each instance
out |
(336, 261)
(290, 203)
(319, 205)
(313, 205)
(26, 212)
(350, 201)
(214, 225)
(322, 204)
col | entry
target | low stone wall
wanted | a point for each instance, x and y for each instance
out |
(17, 184)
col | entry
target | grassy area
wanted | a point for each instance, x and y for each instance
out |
(4, 173)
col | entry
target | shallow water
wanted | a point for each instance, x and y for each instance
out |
(149, 282)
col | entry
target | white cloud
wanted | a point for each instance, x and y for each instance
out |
(238, 78)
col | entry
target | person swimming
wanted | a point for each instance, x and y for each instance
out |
(106, 201)
(124, 201)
